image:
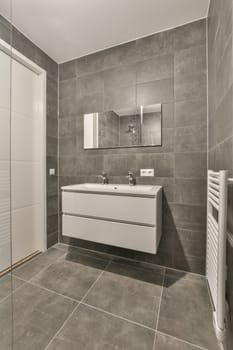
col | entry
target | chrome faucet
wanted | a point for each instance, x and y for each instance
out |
(131, 178)
(104, 178)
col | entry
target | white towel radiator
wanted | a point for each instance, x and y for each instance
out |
(216, 245)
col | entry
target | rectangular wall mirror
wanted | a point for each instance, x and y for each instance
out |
(127, 127)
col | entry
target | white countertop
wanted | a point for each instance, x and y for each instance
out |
(117, 189)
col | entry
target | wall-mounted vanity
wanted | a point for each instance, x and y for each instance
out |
(119, 215)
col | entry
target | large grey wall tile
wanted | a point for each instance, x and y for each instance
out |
(191, 112)
(52, 204)
(221, 126)
(189, 216)
(119, 165)
(168, 115)
(67, 146)
(67, 166)
(47, 63)
(68, 89)
(89, 64)
(191, 138)
(224, 75)
(90, 165)
(52, 98)
(163, 164)
(67, 127)
(120, 98)
(156, 68)
(24, 45)
(120, 76)
(91, 83)
(224, 155)
(188, 35)
(52, 183)
(90, 103)
(160, 91)
(190, 243)
(191, 165)
(158, 44)
(190, 61)
(67, 70)
(190, 87)
(52, 127)
(189, 191)
(120, 55)
(51, 146)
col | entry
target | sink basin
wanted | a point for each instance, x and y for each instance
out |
(144, 190)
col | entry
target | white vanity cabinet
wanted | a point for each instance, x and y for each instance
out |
(118, 215)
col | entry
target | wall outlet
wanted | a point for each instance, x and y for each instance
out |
(147, 172)
(51, 172)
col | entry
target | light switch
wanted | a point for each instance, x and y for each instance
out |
(147, 172)
(51, 172)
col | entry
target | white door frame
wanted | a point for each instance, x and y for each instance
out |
(42, 74)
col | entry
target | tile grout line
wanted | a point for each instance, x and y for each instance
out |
(76, 307)
(43, 269)
(182, 341)
(86, 304)
(138, 261)
(161, 295)
(36, 258)
(99, 309)
(13, 292)
(52, 291)
(117, 316)
(168, 335)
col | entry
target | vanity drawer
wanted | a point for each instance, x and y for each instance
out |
(136, 237)
(113, 207)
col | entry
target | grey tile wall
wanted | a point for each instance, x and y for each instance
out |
(220, 95)
(168, 68)
(30, 50)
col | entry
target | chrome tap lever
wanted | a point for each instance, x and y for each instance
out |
(104, 178)
(131, 178)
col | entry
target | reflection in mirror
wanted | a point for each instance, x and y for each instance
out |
(124, 128)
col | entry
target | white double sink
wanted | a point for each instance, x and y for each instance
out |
(119, 215)
(114, 188)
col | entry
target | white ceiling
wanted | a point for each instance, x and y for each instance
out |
(66, 29)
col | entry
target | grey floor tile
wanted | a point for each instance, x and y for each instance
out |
(61, 246)
(185, 311)
(53, 253)
(8, 283)
(38, 315)
(87, 257)
(35, 265)
(164, 342)
(129, 291)
(89, 329)
(69, 278)
(6, 324)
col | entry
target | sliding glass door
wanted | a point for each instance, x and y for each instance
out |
(6, 282)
